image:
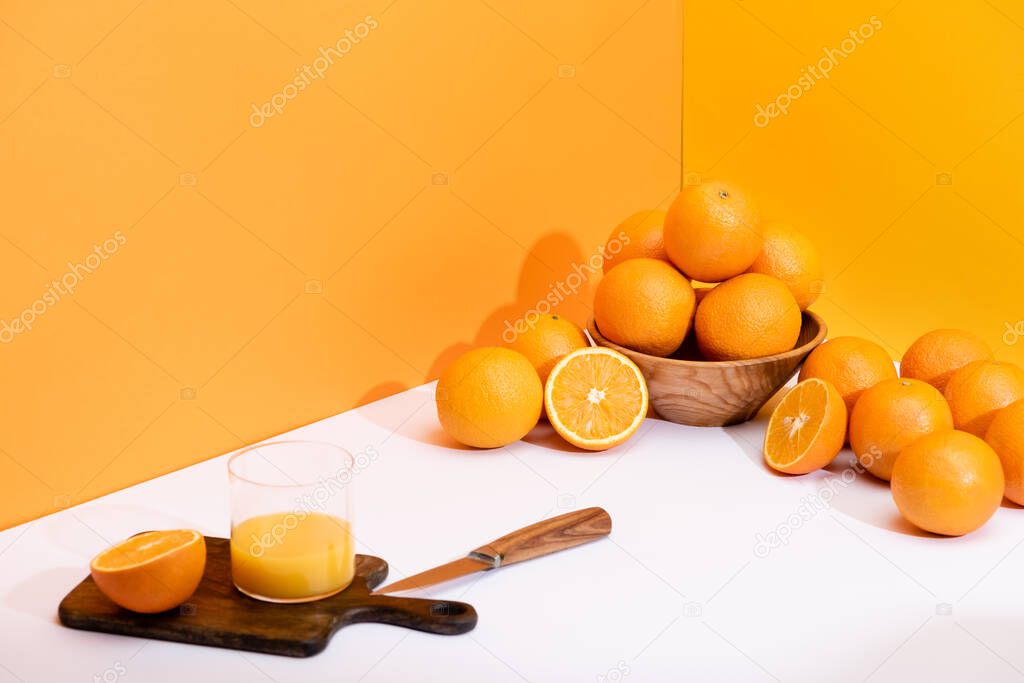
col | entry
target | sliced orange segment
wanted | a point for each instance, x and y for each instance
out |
(152, 571)
(143, 548)
(595, 398)
(807, 429)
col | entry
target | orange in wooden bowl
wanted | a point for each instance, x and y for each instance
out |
(639, 236)
(645, 304)
(689, 390)
(750, 316)
(713, 231)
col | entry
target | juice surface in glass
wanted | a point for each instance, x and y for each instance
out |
(292, 556)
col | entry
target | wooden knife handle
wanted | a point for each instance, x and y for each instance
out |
(549, 536)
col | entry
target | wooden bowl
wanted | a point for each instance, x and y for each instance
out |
(690, 391)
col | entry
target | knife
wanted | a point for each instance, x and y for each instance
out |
(543, 538)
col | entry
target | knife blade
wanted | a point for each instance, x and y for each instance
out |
(440, 574)
(543, 538)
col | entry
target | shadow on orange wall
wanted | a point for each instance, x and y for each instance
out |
(381, 390)
(556, 276)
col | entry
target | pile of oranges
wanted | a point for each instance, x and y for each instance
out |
(764, 274)
(947, 432)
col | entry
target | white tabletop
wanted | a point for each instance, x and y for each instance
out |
(683, 589)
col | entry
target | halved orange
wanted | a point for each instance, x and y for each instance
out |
(152, 571)
(807, 429)
(595, 398)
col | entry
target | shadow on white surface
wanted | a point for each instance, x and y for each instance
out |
(749, 437)
(402, 412)
(40, 595)
(425, 428)
(433, 435)
(545, 436)
(865, 498)
(868, 499)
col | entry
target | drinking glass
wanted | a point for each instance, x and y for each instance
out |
(291, 523)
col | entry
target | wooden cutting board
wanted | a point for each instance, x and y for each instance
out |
(219, 615)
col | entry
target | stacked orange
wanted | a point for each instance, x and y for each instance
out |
(764, 276)
(595, 398)
(948, 433)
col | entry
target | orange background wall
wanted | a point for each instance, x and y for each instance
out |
(904, 165)
(446, 172)
(442, 174)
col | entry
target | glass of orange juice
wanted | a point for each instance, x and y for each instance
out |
(291, 525)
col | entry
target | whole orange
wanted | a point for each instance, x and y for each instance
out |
(936, 355)
(1006, 437)
(644, 304)
(890, 416)
(748, 316)
(489, 397)
(639, 236)
(852, 364)
(948, 483)
(713, 231)
(546, 340)
(791, 257)
(977, 390)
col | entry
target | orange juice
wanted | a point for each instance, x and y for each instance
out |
(292, 556)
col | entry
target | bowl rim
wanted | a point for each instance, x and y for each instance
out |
(803, 349)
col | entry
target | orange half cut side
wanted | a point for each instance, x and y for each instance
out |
(144, 548)
(807, 429)
(596, 398)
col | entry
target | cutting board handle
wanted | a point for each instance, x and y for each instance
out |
(444, 617)
(548, 536)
